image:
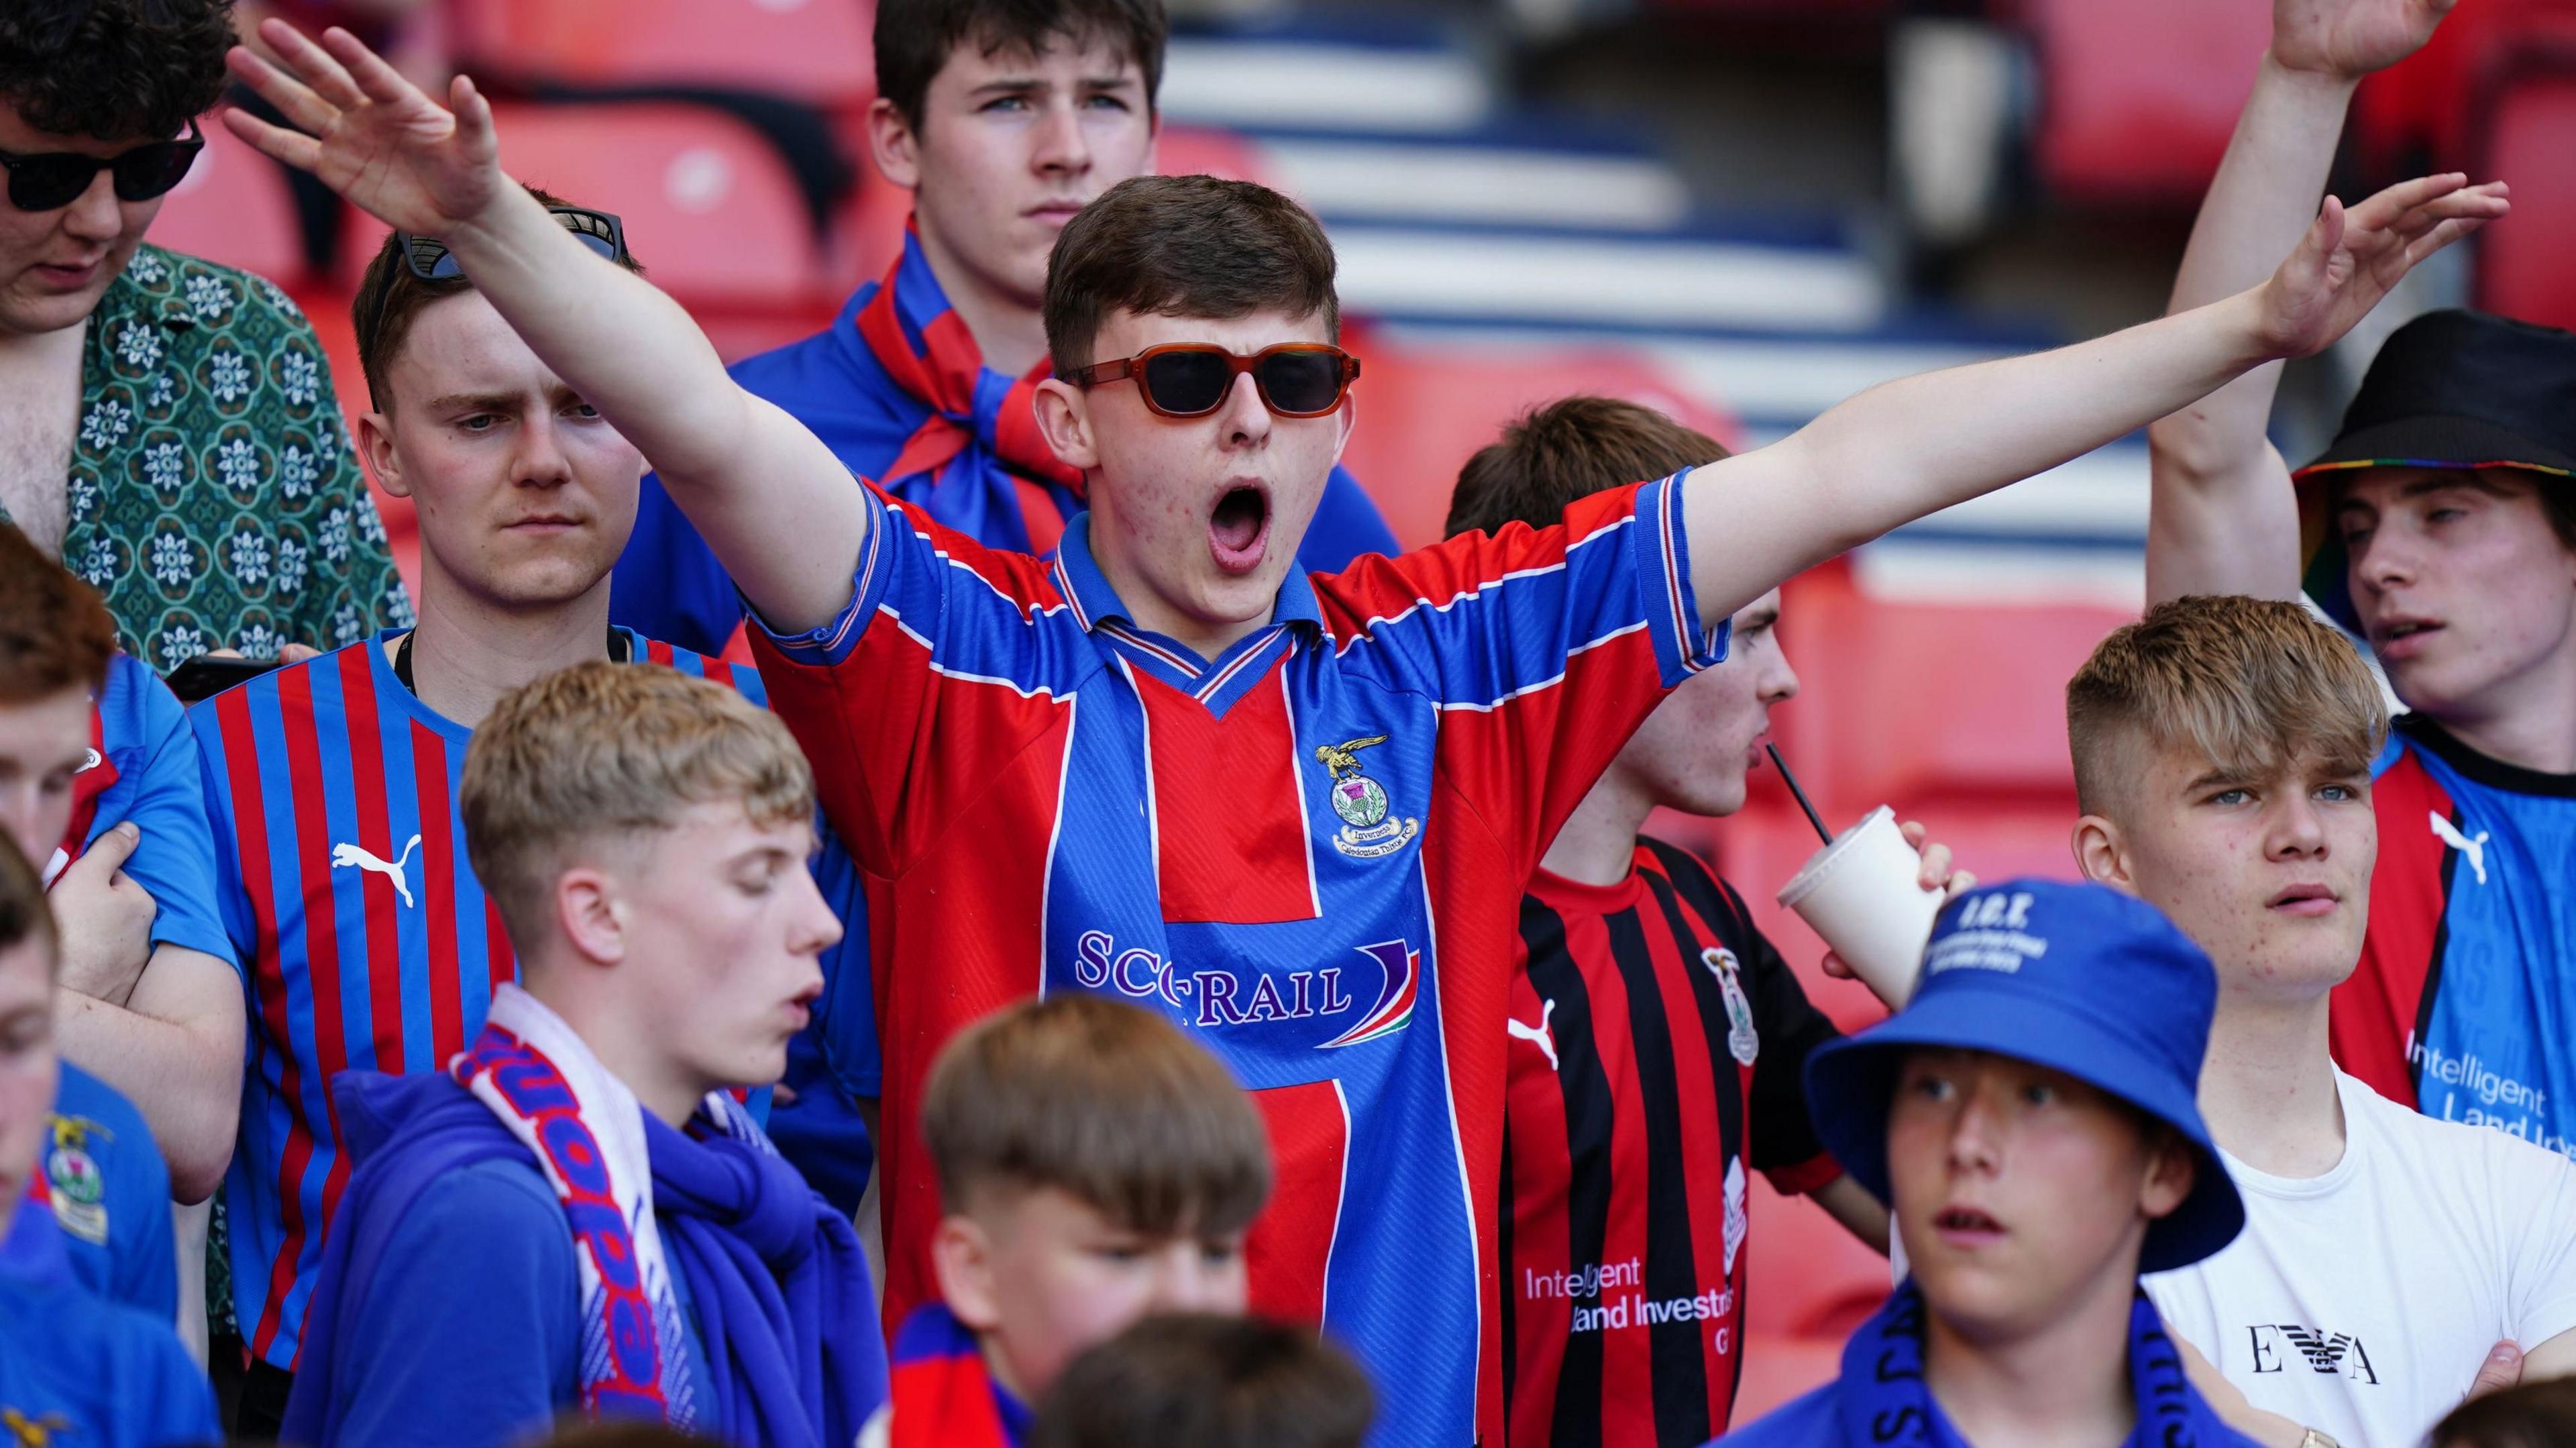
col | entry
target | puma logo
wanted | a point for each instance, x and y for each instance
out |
(1542, 1035)
(346, 855)
(2475, 849)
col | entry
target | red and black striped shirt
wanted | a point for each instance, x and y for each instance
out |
(1657, 1041)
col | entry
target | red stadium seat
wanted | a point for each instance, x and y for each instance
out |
(1423, 412)
(2137, 97)
(818, 51)
(708, 207)
(1914, 704)
(2531, 140)
(2423, 113)
(234, 207)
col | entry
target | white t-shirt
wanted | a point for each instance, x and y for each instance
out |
(2362, 1302)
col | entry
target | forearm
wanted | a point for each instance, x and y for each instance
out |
(1914, 446)
(2223, 519)
(184, 1075)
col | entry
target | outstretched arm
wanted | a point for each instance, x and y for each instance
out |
(1912, 447)
(773, 502)
(2223, 517)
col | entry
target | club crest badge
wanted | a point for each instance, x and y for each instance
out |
(1741, 1040)
(1367, 830)
(78, 1188)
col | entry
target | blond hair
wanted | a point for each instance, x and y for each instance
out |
(2252, 685)
(1108, 1102)
(604, 749)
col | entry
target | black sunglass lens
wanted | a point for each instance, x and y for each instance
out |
(42, 183)
(1187, 382)
(604, 246)
(1301, 381)
(149, 171)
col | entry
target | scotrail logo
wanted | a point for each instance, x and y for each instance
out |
(1375, 994)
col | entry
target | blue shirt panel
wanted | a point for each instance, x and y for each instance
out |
(138, 1261)
(89, 1372)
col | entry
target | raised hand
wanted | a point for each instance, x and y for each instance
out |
(2348, 39)
(371, 135)
(2351, 259)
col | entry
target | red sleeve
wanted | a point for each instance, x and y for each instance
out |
(2372, 1018)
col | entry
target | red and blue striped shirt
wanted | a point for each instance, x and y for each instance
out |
(366, 940)
(1309, 851)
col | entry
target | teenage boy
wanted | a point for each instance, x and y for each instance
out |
(2438, 525)
(2222, 750)
(575, 1215)
(1657, 1037)
(1273, 803)
(171, 433)
(99, 778)
(1205, 1379)
(367, 937)
(77, 1368)
(2028, 1119)
(1095, 1166)
(1003, 118)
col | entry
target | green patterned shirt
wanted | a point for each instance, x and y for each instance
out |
(213, 496)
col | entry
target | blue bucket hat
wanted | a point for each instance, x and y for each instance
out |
(2078, 978)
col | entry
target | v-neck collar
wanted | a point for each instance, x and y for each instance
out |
(1295, 621)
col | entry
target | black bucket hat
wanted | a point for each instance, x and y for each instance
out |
(2450, 389)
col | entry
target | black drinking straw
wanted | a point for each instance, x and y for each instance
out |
(1798, 794)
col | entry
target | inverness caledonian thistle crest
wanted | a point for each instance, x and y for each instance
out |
(1361, 802)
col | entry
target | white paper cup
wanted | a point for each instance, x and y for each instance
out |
(1863, 894)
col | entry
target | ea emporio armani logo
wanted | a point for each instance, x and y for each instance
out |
(2332, 1354)
(343, 856)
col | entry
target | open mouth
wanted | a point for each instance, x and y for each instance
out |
(2396, 634)
(1239, 529)
(1967, 1226)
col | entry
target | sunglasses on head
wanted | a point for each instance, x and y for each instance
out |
(1191, 379)
(431, 261)
(51, 180)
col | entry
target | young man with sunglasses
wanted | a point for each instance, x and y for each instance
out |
(167, 426)
(366, 939)
(1295, 811)
(1003, 119)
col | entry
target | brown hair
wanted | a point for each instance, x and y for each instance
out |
(390, 298)
(2540, 1414)
(914, 38)
(1209, 1382)
(1569, 449)
(24, 915)
(55, 631)
(2249, 683)
(604, 749)
(1184, 246)
(1106, 1101)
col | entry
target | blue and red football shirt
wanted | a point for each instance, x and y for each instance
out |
(1308, 851)
(2464, 1002)
(143, 767)
(670, 586)
(368, 942)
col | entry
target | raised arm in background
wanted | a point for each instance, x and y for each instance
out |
(1920, 444)
(2224, 519)
(772, 501)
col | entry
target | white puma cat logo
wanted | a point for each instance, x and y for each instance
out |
(342, 855)
(1541, 1035)
(2476, 849)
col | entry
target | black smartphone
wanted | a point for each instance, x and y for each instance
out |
(204, 676)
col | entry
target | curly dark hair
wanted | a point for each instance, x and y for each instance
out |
(113, 69)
